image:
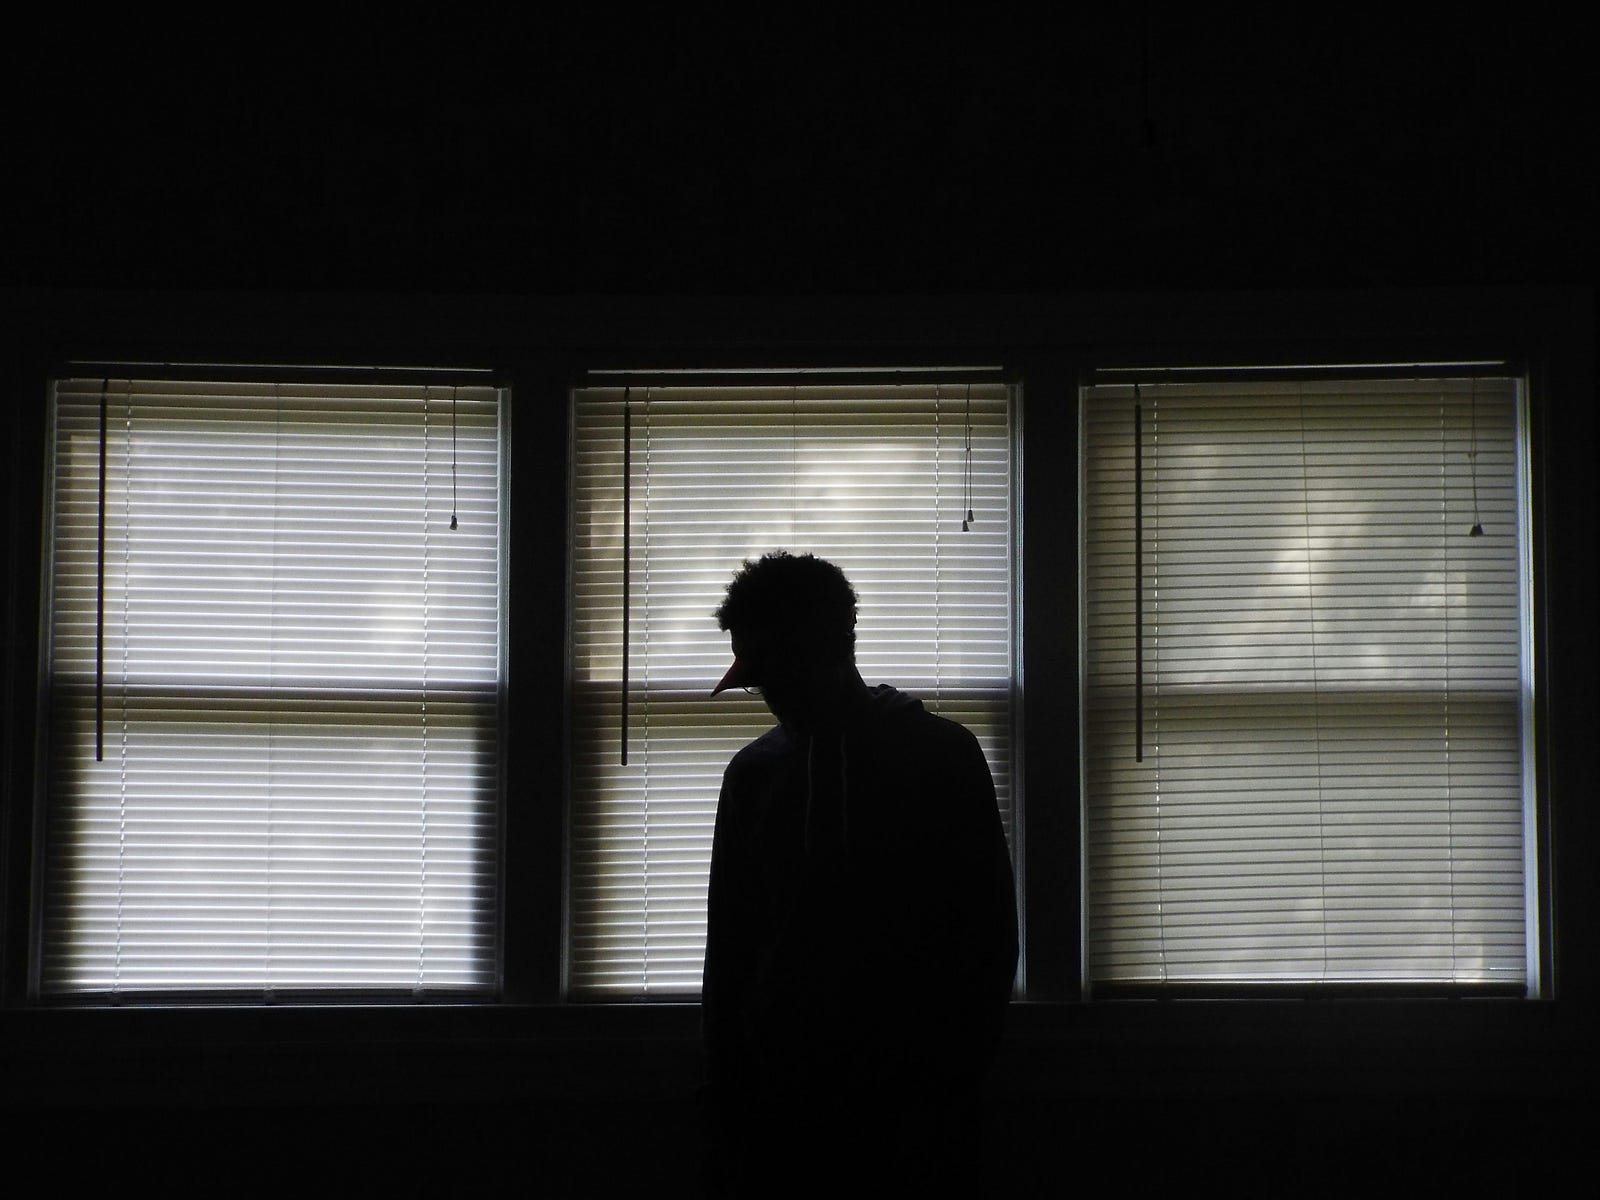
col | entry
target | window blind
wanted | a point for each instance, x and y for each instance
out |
(873, 478)
(297, 784)
(1307, 697)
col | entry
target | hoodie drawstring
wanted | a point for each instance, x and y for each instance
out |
(839, 831)
(844, 797)
(811, 787)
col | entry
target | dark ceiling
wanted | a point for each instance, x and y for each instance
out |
(1136, 155)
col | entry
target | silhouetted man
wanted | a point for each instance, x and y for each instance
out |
(862, 929)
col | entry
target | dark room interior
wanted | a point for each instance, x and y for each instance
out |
(1277, 189)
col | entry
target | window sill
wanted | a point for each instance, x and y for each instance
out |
(514, 1054)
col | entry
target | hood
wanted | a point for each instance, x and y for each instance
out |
(886, 703)
(828, 799)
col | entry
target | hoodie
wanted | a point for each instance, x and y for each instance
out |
(862, 919)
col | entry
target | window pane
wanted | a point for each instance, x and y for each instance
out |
(1325, 781)
(297, 779)
(874, 479)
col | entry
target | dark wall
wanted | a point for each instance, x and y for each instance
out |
(1276, 149)
(664, 190)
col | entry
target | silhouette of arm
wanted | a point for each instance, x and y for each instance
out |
(964, 955)
(730, 949)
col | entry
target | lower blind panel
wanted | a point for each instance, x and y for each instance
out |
(295, 787)
(1304, 743)
(873, 477)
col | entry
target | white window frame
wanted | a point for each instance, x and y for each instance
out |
(1225, 976)
(610, 797)
(342, 894)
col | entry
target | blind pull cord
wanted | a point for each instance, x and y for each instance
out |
(1472, 458)
(453, 523)
(1138, 576)
(100, 596)
(966, 523)
(627, 556)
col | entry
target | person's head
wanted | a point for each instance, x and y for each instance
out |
(793, 621)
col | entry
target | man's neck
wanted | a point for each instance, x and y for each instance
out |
(838, 701)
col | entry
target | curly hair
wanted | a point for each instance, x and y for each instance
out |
(805, 597)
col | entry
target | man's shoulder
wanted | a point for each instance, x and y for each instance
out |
(922, 748)
(932, 731)
(770, 748)
(760, 768)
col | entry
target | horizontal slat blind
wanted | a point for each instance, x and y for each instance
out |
(1332, 778)
(298, 789)
(871, 478)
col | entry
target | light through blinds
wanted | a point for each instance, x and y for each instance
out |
(299, 667)
(1307, 692)
(873, 478)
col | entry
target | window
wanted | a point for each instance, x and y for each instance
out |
(673, 488)
(275, 695)
(274, 658)
(1306, 747)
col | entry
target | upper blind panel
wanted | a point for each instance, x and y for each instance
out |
(873, 478)
(288, 664)
(1306, 692)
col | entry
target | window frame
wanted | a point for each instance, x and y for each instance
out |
(227, 373)
(1053, 929)
(1533, 811)
(531, 1043)
(886, 377)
